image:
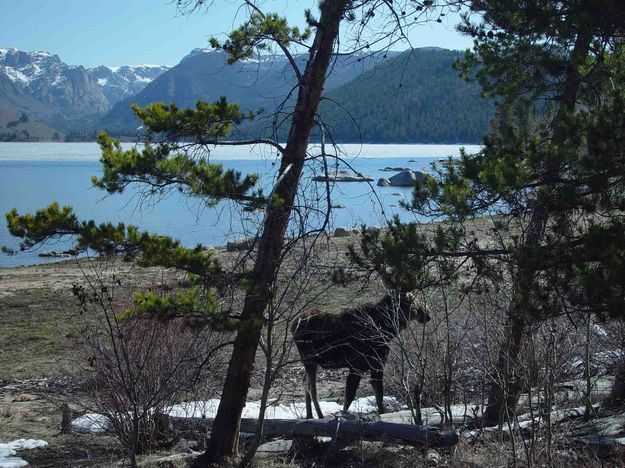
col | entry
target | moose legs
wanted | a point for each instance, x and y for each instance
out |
(353, 380)
(311, 390)
(351, 386)
(378, 388)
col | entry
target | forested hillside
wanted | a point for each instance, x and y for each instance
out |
(413, 97)
(416, 97)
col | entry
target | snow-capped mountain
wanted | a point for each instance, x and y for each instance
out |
(118, 83)
(45, 88)
(260, 82)
(55, 86)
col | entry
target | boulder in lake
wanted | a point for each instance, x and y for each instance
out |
(395, 169)
(406, 178)
(55, 254)
(384, 182)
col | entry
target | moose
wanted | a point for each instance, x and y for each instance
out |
(358, 339)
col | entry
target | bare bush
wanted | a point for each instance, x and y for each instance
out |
(138, 365)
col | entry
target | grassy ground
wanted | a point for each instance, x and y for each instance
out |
(37, 329)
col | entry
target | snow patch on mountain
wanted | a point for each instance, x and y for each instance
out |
(14, 75)
(119, 82)
(25, 68)
(65, 89)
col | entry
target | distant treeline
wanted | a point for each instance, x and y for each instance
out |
(19, 135)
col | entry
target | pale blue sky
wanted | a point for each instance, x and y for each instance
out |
(126, 32)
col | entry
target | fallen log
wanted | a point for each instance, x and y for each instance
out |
(607, 426)
(601, 447)
(337, 429)
(572, 391)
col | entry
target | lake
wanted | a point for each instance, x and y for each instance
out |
(32, 175)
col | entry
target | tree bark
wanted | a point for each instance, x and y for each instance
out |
(224, 436)
(617, 395)
(507, 386)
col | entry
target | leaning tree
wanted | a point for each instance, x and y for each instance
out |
(549, 176)
(170, 159)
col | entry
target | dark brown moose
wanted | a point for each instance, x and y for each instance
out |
(357, 339)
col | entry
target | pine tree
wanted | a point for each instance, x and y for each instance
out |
(167, 161)
(549, 175)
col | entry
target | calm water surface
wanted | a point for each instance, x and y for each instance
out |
(32, 175)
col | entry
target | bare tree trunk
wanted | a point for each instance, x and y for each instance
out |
(504, 395)
(224, 436)
(617, 395)
(506, 387)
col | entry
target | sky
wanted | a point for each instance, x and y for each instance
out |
(129, 32)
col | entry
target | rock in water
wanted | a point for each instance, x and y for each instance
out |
(395, 169)
(384, 182)
(343, 176)
(406, 178)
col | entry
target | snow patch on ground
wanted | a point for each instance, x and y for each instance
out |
(8, 451)
(208, 409)
(95, 423)
(91, 423)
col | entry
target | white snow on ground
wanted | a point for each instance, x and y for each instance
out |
(91, 423)
(97, 423)
(8, 450)
(208, 409)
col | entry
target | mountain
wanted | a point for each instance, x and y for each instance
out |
(118, 83)
(56, 95)
(41, 85)
(416, 97)
(205, 75)
(410, 97)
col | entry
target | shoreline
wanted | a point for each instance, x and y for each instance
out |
(90, 151)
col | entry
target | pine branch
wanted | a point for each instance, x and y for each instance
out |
(54, 222)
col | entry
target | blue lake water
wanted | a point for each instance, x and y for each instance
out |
(32, 175)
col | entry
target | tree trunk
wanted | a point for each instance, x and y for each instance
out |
(224, 436)
(617, 395)
(504, 395)
(507, 384)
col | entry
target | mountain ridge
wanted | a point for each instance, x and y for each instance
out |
(203, 74)
(409, 97)
(60, 96)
